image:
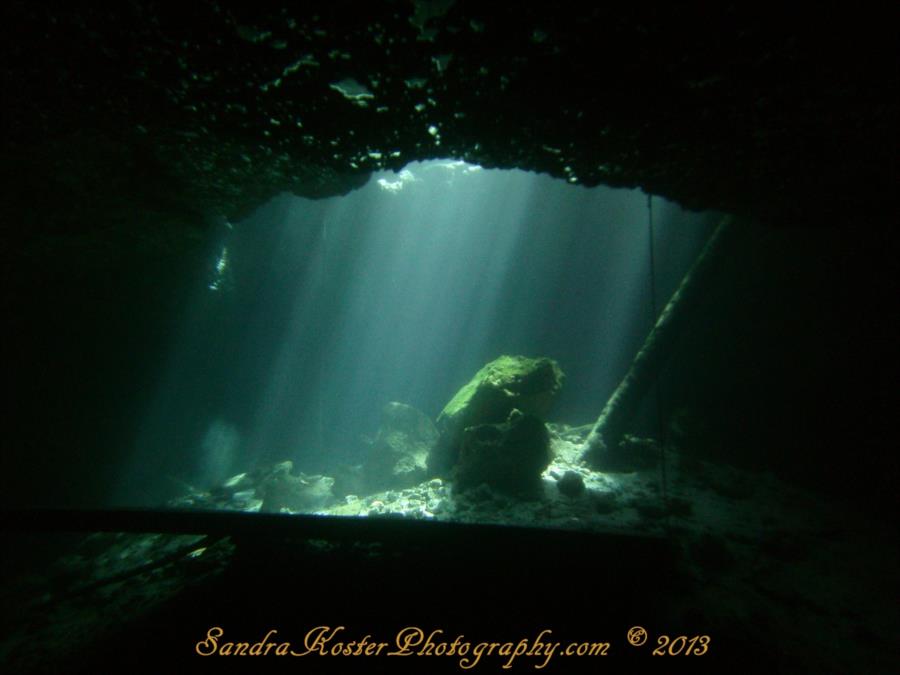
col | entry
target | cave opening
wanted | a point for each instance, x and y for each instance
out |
(312, 316)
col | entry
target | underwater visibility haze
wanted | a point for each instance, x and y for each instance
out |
(314, 315)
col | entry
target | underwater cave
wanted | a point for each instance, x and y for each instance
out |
(499, 337)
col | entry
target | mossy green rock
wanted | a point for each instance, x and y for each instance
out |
(506, 383)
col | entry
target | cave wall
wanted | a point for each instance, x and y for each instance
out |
(790, 364)
(211, 108)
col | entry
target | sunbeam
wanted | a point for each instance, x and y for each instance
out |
(399, 291)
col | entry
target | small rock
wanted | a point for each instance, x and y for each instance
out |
(571, 484)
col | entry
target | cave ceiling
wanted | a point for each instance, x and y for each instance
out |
(145, 117)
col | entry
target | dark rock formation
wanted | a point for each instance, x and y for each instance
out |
(571, 484)
(349, 480)
(210, 109)
(508, 457)
(504, 384)
(399, 453)
(280, 489)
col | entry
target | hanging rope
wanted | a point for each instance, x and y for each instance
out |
(660, 424)
(320, 385)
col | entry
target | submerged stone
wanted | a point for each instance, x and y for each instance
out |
(508, 457)
(529, 385)
(571, 484)
(399, 453)
(349, 479)
(280, 489)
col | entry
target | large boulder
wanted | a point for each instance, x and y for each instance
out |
(529, 385)
(508, 457)
(280, 490)
(398, 457)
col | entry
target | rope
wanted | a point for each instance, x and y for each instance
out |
(320, 385)
(660, 426)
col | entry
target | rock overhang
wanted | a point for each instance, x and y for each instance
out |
(211, 109)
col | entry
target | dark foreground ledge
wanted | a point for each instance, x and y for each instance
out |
(372, 576)
(240, 525)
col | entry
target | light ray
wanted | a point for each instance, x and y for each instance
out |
(401, 290)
